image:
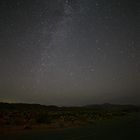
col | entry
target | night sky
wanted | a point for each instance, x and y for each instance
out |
(70, 52)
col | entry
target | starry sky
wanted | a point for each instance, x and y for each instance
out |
(70, 52)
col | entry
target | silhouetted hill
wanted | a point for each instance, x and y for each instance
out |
(26, 107)
(35, 107)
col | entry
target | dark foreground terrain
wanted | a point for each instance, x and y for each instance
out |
(32, 121)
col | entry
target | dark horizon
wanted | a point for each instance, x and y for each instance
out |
(72, 105)
(69, 52)
(67, 106)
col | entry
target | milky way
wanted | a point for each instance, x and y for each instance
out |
(69, 52)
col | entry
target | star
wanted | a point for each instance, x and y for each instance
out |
(92, 70)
